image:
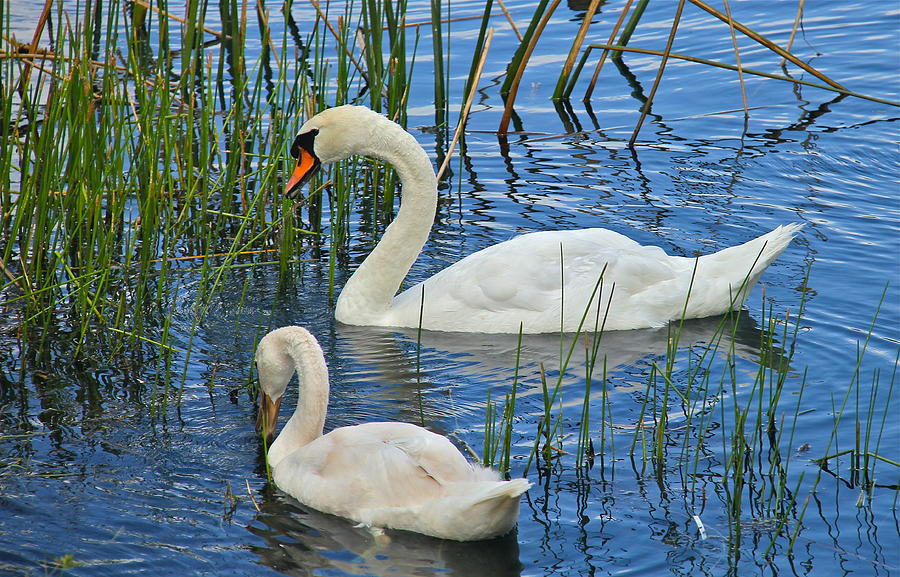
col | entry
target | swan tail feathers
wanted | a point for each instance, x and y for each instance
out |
(505, 490)
(724, 279)
(759, 252)
(468, 511)
(474, 511)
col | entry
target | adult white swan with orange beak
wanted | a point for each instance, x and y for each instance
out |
(543, 281)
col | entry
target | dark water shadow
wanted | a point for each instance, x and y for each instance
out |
(302, 541)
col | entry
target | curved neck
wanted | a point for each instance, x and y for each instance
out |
(308, 420)
(369, 292)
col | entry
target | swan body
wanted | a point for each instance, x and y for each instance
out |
(391, 475)
(542, 282)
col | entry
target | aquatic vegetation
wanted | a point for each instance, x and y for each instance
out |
(191, 139)
(707, 414)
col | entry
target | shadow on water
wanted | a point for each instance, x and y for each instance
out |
(303, 541)
(493, 356)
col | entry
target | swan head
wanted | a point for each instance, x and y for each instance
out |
(332, 135)
(279, 355)
(275, 368)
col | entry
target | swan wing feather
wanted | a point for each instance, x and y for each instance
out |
(520, 280)
(373, 465)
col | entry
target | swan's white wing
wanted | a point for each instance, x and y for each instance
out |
(520, 280)
(374, 465)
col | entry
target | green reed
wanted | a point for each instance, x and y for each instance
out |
(141, 139)
(864, 452)
(498, 438)
(83, 222)
(520, 57)
(440, 90)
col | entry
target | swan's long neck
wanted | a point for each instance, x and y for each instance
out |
(308, 420)
(368, 294)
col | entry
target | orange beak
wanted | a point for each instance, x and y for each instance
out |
(307, 166)
(267, 418)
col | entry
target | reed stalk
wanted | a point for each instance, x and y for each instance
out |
(767, 43)
(467, 105)
(619, 48)
(561, 82)
(440, 91)
(785, 54)
(574, 77)
(516, 68)
(479, 50)
(737, 60)
(790, 44)
(662, 66)
(632, 22)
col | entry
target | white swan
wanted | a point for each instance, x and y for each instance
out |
(392, 475)
(543, 280)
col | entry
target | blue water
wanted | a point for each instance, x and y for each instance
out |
(92, 465)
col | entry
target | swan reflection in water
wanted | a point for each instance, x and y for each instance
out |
(389, 356)
(302, 541)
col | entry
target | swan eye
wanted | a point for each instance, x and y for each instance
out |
(304, 140)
